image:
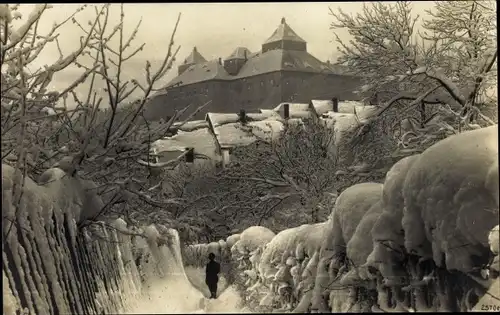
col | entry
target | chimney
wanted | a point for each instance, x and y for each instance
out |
(335, 105)
(283, 20)
(245, 54)
(189, 157)
(242, 116)
(286, 111)
(220, 61)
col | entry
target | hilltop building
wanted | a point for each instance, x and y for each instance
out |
(283, 71)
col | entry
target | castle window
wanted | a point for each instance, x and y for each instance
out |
(272, 81)
(261, 83)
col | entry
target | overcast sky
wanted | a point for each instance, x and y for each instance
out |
(214, 28)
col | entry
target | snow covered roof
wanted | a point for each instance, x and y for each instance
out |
(296, 110)
(262, 115)
(194, 57)
(321, 106)
(284, 33)
(341, 121)
(218, 119)
(363, 111)
(293, 107)
(239, 53)
(201, 140)
(191, 125)
(269, 112)
(236, 134)
(200, 72)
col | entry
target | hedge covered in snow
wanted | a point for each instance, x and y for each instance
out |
(52, 267)
(425, 240)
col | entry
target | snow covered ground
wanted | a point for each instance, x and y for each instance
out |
(176, 294)
(169, 287)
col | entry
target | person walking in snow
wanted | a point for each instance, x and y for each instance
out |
(212, 275)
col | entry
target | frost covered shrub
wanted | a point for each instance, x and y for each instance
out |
(389, 256)
(49, 266)
(387, 232)
(287, 269)
(451, 199)
(349, 210)
(451, 202)
(245, 252)
(360, 261)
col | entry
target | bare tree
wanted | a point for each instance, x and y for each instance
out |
(84, 137)
(298, 167)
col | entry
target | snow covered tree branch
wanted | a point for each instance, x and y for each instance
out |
(92, 136)
(457, 50)
(298, 166)
(434, 77)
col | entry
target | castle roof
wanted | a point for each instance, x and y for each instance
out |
(239, 53)
(284, 33)
(278, 60)
(257, 63)
(208, 70)
(194, 57)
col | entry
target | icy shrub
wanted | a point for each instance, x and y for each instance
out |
(51, 266)
(288, 268)
(350, 208)
(389, 257)
(450, 202)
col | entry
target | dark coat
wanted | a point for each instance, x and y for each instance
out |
(212, 271)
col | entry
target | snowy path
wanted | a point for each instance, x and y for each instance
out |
(172, 288)
(177, 294)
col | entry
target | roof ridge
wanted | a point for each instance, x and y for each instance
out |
(194, 57)
(284, 32)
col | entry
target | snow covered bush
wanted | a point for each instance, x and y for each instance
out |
(284, 269)
(246, 253)
(350, 208)
(451, 203)
(51, 267)
(451, 200)
(389, 254)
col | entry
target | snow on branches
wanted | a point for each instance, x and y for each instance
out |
(95, 137)
(434, 79)
(455, 53)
